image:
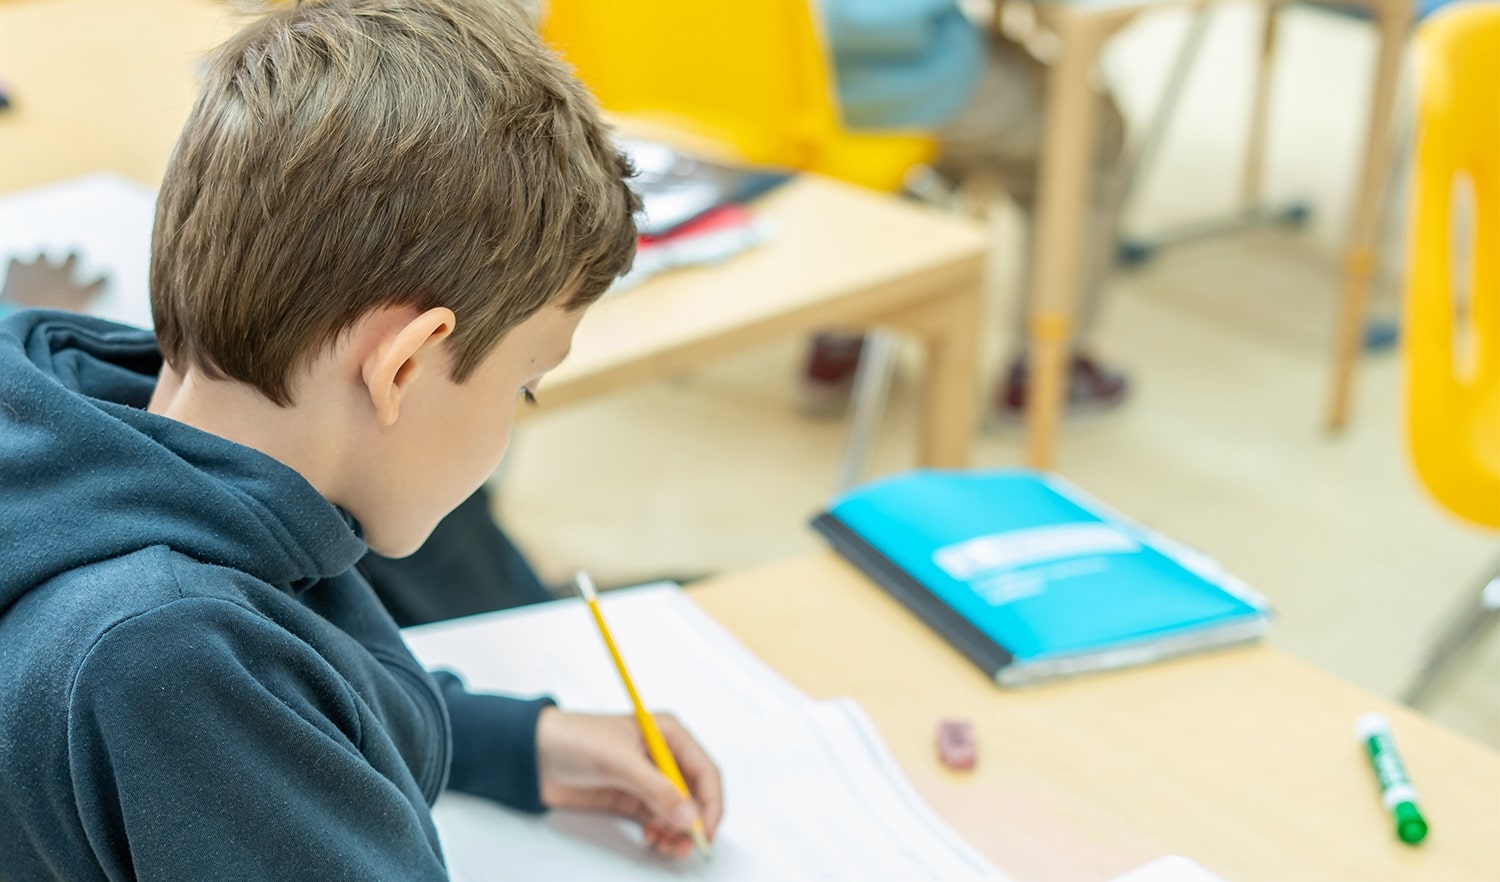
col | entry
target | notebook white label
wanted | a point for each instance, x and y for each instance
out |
(1017, 548)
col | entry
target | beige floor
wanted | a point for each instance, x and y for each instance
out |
(1221, 447)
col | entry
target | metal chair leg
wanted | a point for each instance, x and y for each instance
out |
(1140, 155)
(1137, 250)
(872, 384)
(1462, 634)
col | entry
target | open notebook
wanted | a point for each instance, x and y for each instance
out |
(813, 793)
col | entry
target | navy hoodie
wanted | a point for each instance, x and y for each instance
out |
(194, 683)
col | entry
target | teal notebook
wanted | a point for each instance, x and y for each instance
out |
(1031, 579)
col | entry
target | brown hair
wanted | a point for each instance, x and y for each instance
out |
(346, 155)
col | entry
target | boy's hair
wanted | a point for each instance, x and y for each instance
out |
(347, 155)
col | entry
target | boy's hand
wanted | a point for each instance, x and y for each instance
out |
(599, 763)
(46, 284)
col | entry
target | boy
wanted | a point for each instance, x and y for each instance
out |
(379, 228)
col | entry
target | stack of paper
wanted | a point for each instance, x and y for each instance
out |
(812, 792)
(103, 218)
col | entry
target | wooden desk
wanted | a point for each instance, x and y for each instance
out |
(101, 84)
(1244, 760)
(842, 257)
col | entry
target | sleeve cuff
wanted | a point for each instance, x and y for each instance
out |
(494, 745)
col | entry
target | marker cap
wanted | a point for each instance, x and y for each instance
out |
(1411, 827)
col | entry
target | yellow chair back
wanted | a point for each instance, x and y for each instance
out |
(1452, 349)
(753, 76)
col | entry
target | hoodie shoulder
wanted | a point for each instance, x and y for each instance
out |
(209, 738)
(50, 629)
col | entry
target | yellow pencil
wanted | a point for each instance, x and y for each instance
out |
(656, 745)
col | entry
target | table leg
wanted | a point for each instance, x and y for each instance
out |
(1393, 22)
(1066, 174)
(950, 393)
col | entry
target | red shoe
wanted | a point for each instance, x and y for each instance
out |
(828, 374)
(1092, 389)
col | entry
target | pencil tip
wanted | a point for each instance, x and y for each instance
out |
(701, 840)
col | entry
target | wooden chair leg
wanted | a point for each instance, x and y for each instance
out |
(1393, 23)
(1066, 174)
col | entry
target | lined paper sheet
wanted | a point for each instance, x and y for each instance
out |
(106, 219)
(681, 659)
(812, 792)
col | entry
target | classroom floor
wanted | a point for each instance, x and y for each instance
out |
(1221, 446)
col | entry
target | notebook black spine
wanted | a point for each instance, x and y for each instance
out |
(978, 648)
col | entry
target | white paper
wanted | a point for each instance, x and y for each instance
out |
(812, 792)
(809, 799)
(106, 219)
(681, 659)
(1170, 869)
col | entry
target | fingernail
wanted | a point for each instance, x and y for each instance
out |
(683, 816)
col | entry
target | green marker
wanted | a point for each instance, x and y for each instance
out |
(1396, 792)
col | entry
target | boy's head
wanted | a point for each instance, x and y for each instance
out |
(395, 210)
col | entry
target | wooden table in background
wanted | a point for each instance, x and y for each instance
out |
(1244, 760)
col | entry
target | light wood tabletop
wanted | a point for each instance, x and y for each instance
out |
(99, 85)
(104, 85)
(840, 258)
(1244, 760)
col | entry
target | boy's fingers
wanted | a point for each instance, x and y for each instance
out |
(645, 782)
(626, 805)
(700, 772)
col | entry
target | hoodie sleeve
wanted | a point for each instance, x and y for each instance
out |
(205, 743)
(494, 745)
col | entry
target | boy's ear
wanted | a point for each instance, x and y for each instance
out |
(402, 353)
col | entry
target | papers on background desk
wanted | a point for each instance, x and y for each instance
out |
(812, 792)
(1170, 869)
(106, 219)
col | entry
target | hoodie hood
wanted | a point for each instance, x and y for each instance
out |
(86, 474)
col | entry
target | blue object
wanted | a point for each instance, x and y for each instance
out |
(1296, 214)
(1030, 578)
(1381, 335)
(1423, 9)
(902, 64)
(1134, 253)
(195, 685)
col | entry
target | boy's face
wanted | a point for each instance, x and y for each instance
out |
(451, 436)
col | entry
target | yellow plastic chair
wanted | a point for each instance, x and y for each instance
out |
(1452, 347)
(754, 77)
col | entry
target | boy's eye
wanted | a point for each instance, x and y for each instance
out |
(529, 396)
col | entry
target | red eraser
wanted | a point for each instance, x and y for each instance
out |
(956, 745)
